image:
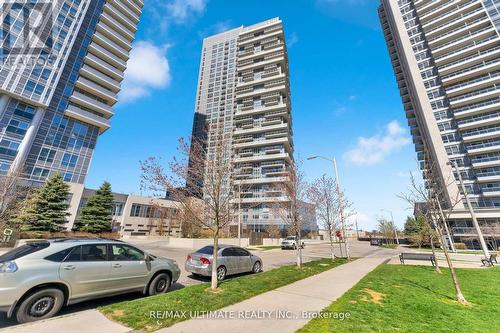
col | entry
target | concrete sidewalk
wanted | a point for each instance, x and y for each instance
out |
(90, 321)
(285, 309)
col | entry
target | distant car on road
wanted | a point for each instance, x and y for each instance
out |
(291, 243)
(230, 260)
(37, 279)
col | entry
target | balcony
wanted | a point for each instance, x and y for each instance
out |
(111, 46)
(481, 134)
(279, 59)
(131, 14)
(482, 68)
(262, 157)
(96, 90)
(103, 66)
(260, 79)
(264, 90)
(453, 23)
(474, 84)
(100, 78)
(478, 108)
(252, 40)
(479, 121)
(126, 21)
(259, 129)
(92, 104)
(117, 26)
(260, 142)
(87, 117)
(107, 56)
(256, 54)
(114, 36)
(475, 96)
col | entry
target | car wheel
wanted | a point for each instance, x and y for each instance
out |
(221, 273)
(160, 284)
(41, 304)
(257, 267)
(295, 247)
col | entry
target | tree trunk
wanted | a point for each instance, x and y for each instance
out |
(332, 249)
(299, 250)
(214, 283)
(458, 291)
(438, 270)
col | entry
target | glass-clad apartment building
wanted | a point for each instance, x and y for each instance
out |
(61, 66)
(446, 59)
(244, 93)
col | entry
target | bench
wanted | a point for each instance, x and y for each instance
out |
(493, 258)
(417, 256)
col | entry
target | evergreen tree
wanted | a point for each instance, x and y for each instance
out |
(96, 215)
(47, 208)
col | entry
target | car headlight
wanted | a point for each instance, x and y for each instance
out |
(8, 267)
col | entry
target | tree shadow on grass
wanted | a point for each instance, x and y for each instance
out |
(418, 285)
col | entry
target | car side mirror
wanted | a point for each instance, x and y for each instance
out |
(148, 261)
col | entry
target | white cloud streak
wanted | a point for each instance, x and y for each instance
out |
(373, 150)
(147, 69)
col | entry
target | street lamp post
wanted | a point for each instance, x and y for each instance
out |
(341, 199)
(471, 210)
(393, 224)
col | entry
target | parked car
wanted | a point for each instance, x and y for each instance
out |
(230, 260)
(39, 278)
(291, 243)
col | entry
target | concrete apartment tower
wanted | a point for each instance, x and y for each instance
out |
(61, 65)
(446, 58)
(244, 87)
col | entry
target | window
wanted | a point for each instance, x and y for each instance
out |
(18, 127)
(241, 252)
(40, 173)
(75, 254)
(68, 176)
(206, 250)
(4, 167)
(69, 160)
(228, 252)
(59, 256)
(47, 155)
(126, 253)
(94, 252)
(136, 210)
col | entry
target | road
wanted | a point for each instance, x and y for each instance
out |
(271, 259)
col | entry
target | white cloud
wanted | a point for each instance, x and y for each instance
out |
(365, 221)
(292, 40)
(374, 149)
(180, 10)
(147, 69)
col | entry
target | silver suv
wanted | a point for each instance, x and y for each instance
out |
(38, 278)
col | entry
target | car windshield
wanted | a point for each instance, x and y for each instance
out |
(24, 250)
(290, 238)
(206, 250)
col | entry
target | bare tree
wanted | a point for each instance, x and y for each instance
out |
(430, 195)
(274, 231)
(386, 229)
(207, 161)
(12, 196)
(292, 209)
(323, 194)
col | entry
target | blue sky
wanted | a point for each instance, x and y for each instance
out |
(345, 101)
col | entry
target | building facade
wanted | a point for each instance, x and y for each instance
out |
(59, 80)
(446, 59)
(243, 92)
(135, 215)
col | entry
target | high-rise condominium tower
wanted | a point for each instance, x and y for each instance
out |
(243, 89)
(61, 64)
(446, 58)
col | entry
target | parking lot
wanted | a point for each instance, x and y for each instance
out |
(271, 259)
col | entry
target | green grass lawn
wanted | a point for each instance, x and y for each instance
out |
(390, 246)
(268, 247)
(136, 313)
(396, 298)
